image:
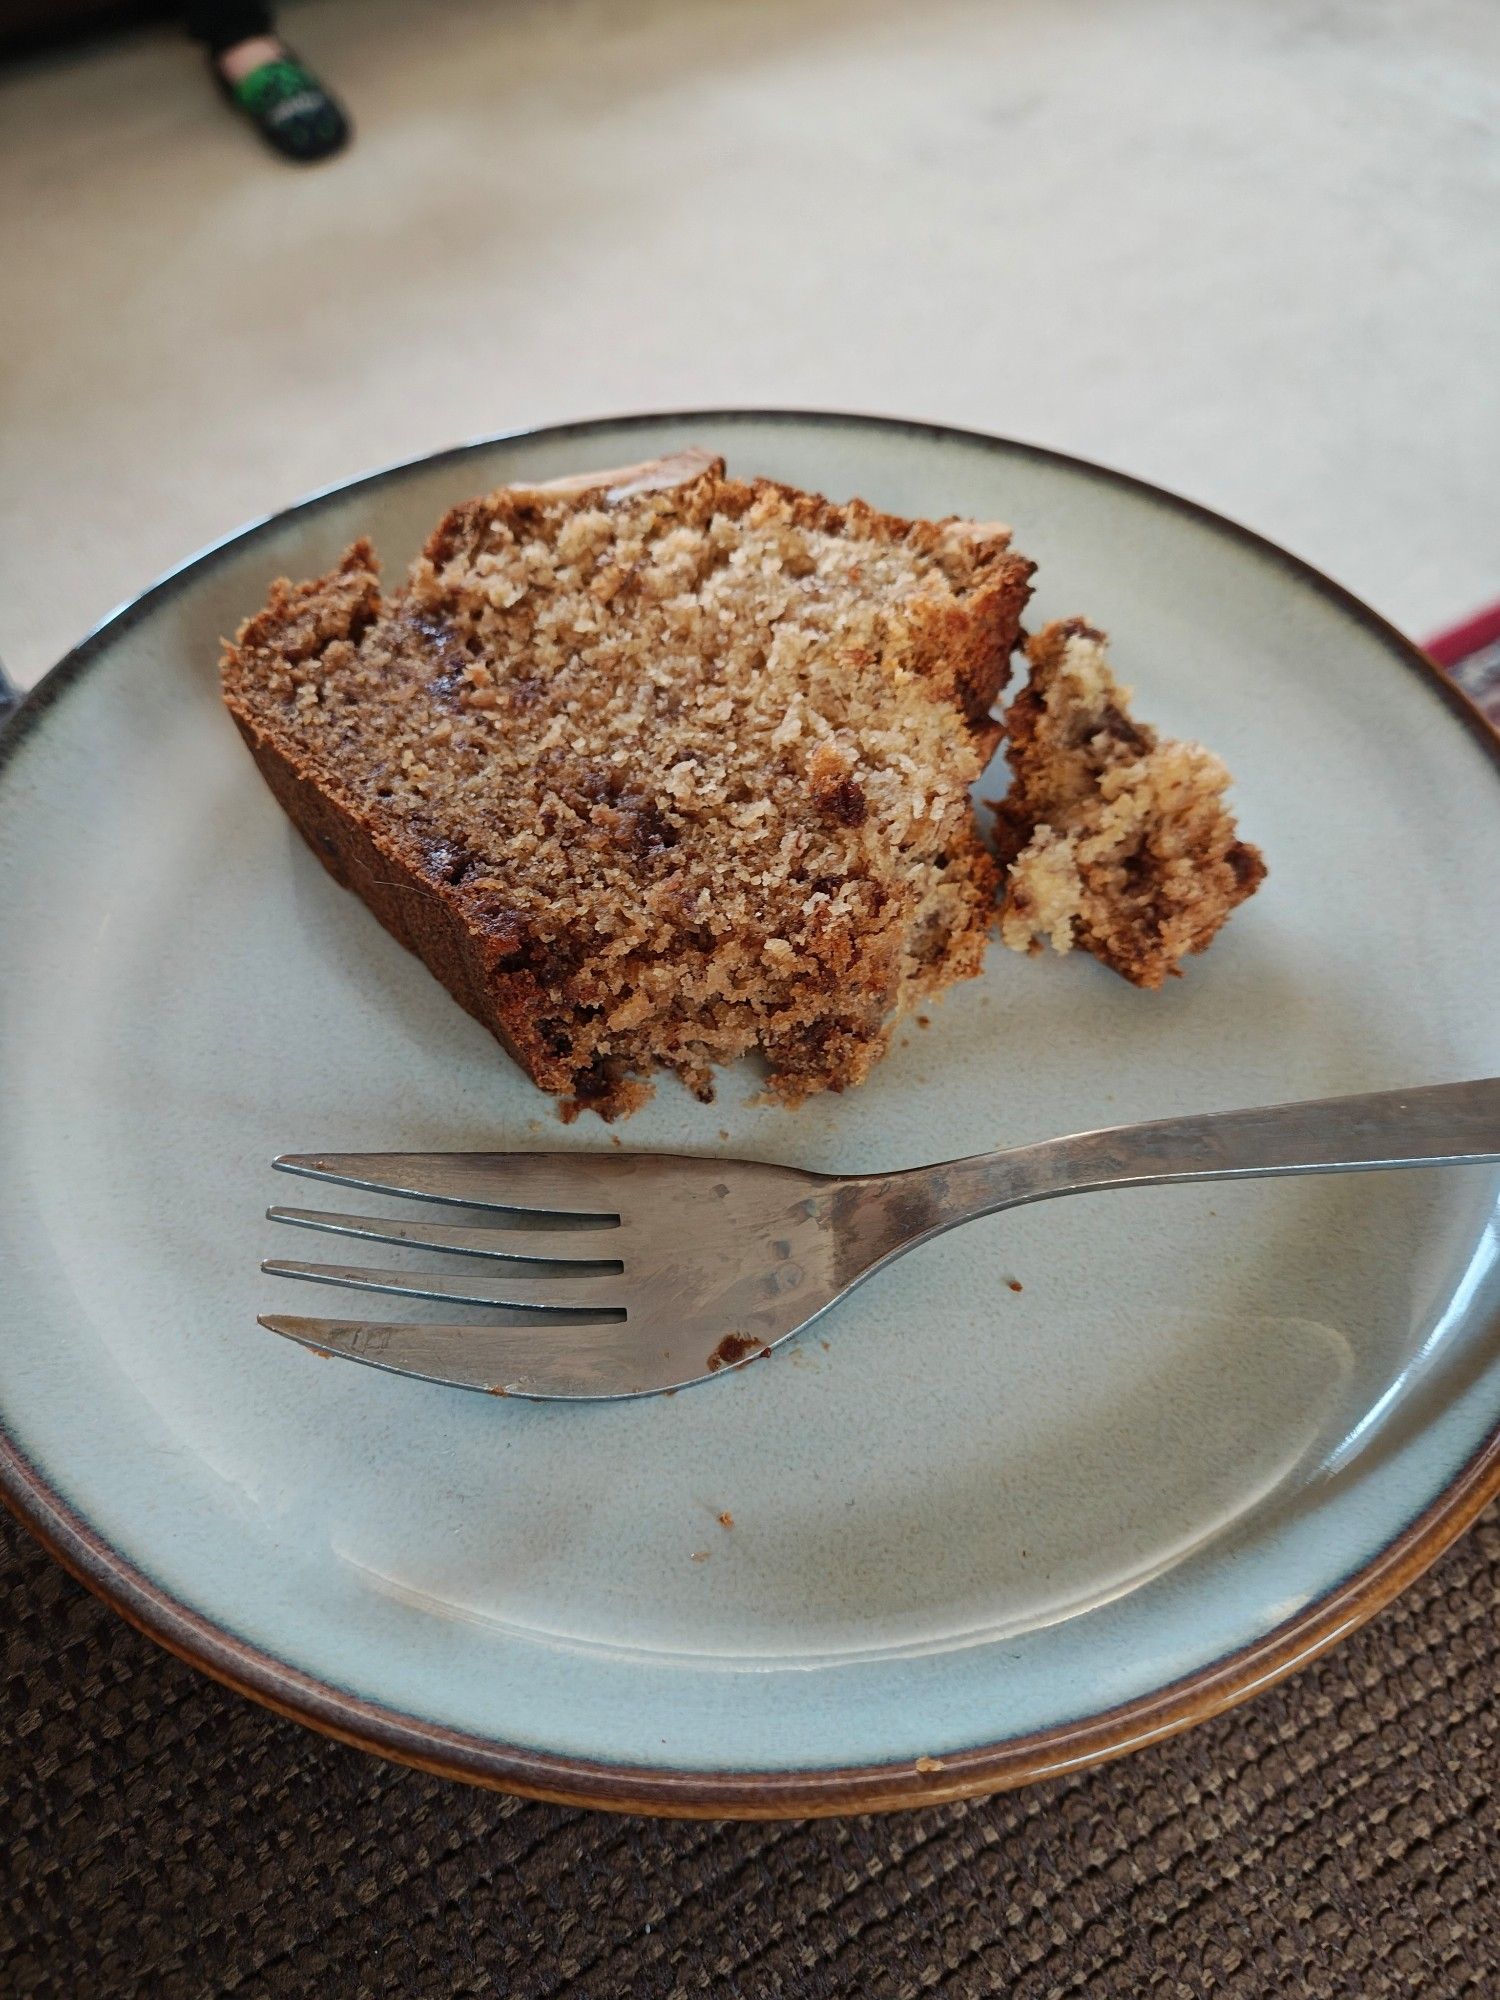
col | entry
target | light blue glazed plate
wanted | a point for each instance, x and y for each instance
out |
(979, 1534)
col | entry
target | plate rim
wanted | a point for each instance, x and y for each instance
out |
(749, 1794)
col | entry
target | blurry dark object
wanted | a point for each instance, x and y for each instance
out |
(261, 78)
(27, 26)
(292, 111)
(1471, 654)
(220, 24)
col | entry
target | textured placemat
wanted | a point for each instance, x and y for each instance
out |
(1338, 1836)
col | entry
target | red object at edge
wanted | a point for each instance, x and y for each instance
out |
(1459, 642)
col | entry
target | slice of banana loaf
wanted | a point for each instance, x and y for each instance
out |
(1113, 839)
(654, 767)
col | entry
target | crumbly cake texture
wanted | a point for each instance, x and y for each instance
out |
(654, 767)
(1112, 838)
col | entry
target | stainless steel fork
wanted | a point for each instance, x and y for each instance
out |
(633, 1273)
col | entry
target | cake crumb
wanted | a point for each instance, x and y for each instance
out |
(699, 1556)
(1015, 1285)
(734, 1350)
(1114, 839)
(726, 1519)
(926, 1764)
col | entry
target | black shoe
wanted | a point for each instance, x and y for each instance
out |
(289, 108)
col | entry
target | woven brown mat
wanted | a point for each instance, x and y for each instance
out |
(1338, 1836)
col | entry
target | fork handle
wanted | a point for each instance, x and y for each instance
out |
(1435, 1125)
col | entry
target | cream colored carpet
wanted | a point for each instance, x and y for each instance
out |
(1248, 249)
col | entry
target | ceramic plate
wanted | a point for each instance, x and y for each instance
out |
(1062, 1482)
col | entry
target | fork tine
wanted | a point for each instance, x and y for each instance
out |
(526, 1358)
(567, 1246)
(575, 1292)
(553, 1183)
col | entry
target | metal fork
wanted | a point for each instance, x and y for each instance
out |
(639, 1273)
(633, 1273)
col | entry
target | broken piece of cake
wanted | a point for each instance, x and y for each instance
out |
(1113, 839)
(654, 767)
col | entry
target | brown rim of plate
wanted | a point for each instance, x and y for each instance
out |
(577, 1781)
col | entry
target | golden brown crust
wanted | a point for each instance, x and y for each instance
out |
(410, 900)
(411, 906)
(1113, 839)
(628, 823)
